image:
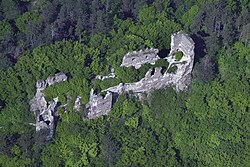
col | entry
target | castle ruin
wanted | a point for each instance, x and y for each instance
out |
(154, 78)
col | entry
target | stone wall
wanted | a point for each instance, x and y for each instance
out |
(180, 80)
(139, 58)
(98, 105)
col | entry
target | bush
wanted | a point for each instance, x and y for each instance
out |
(178, 56)
(172, 69)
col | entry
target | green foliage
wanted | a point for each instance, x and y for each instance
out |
(111, 150)
(106, 83)
(127, 74)
(224, 108)
(10, 9)
(205, 71)
(168, 128)
(178, 56)
(5, 29)
(172, 69)
(188, 18)
(27, 19)
(132, 122)
(161, 63)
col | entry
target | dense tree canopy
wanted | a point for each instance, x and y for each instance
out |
(206, 125)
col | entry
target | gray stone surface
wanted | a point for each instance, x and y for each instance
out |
(180, 80)
(45, 111)
(154, 79)
(46, 118)
(111, 75)
(59, 77)
(139, 58)
(77, 104)
(98, 105)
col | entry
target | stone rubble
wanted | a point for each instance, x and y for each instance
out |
(99, 105)
(180, 80)
(111, 75)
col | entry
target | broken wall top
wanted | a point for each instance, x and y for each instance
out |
(182, 42)
(138, 58)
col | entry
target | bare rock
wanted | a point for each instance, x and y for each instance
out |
(180, 80)
(59, 77)
(46, 119)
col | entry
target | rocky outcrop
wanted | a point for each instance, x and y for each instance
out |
(137, 59)
(59, 77)
(154, 78)
(42, 84)
(46, 111)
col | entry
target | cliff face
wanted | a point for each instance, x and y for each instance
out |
(154, 78)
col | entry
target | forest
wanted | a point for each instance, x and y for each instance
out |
(206, 125)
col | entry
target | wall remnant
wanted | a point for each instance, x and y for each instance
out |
(46, 111)
(136, 59)
(154, 78)
(111, 75)
(77, 104)
(99, 105)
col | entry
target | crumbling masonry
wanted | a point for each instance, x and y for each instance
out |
(154, 79)
(46, 111)
(99, 105)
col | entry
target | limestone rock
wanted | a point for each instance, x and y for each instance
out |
(180, 80)
(46, 118)
(41, 84)
(59, 77)
(111, 75)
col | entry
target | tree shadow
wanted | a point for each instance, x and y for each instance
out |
(163, 53)
(200, 47)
